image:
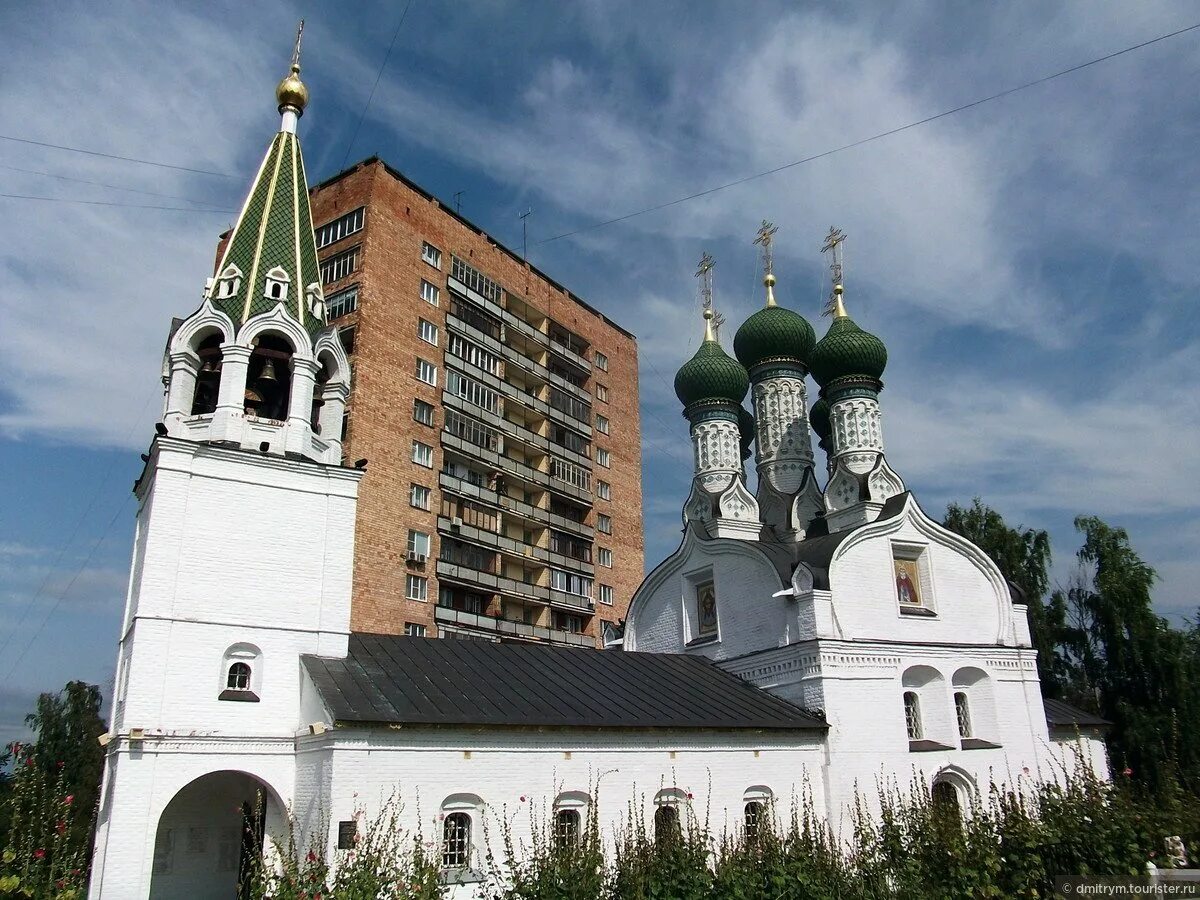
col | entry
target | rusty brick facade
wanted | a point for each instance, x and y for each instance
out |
(521, 398)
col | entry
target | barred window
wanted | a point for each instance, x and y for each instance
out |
(339, 266)
(566, 827)
(912, 716)
(570, 473)
(430, 293)
(346, 225)
(456, 841)
(753, 818)
(473, 353)
(963, 713)
(471, 431)
(474, 279)
(343, 302)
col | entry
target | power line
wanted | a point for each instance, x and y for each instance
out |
(191, 209)
(115, 187)
(874, 137)
(379, 75)
(102, 155)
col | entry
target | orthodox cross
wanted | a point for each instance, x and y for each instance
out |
(766, 234)
(704, 273)
(296, 52)
(833, 244)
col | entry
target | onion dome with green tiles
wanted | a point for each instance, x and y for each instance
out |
(818, 417)
(846, 351)
(271, 256)
(711, 375)
(746, 431)
(774, 334)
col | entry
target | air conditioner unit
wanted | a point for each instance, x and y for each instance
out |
(591, 603)
(414, 556)
(456, 522)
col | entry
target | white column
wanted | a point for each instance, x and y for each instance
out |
(230, 415)
(857, 432)
(298, 438)
(783, 446)
(181, 389)
(716, 448)
(333, 412)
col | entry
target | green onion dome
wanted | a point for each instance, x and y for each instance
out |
(818, 417)
(847, 350)
(773, 333)
(711, 374)
(745, 430)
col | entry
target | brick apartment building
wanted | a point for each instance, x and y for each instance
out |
(498, 413)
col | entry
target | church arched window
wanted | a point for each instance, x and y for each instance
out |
(208, 377)
(912, 715)
(962, 712)
(241, 675)
(945, 798)
(229, 282)
(456, 841)
(666, 824)
(269, 378)
(276, 287)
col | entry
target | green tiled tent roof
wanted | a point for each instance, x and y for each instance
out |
(274, 230)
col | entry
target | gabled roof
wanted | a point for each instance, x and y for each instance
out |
(388, 679)
(1064, 715)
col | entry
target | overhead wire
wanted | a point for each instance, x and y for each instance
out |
(874, 137)
(191, 209)
(378, 76)
(103, 155)
(115, 187)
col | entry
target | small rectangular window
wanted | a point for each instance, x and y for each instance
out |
(414, 629)
(603, 457)
(423, 412)
(426, 371)
(604, 523)
(342, 303)
(431, 254)
(422, 454)
(430, 293)
(427, 331)
(347, 834)
(419, 496)
(606, 594)
(601, 393)
(601, 361)
(602, 424)
(603, 490)
(605, 557)
(417, 588)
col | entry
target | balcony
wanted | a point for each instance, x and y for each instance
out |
(495, 460)
(565, 352)
(503, 627)
(499, 584)
(492, 540)
(473, 334)
(573, 602)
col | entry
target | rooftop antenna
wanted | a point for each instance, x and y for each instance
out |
(525, 234)
(458, 202)
(766, 236)
(833, 245)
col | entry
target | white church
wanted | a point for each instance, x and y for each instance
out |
(802, 640)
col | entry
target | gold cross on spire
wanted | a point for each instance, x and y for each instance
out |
(296, 52)
(704, 273)
(833, 245)
(766, 237)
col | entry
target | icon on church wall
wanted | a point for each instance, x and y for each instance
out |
(907, 581)
(706, 609)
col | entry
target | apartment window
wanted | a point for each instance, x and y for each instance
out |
(567, 339)
(567, 510)
(603, 457)
(601, 393)
(605, 595)
(478, 320)
(470, 513)
(572, 440)
(418, 542)
(467, 474)
(471, 431)
(426, 371)
(339, 266)
(602, 424)
(601, 361)
(603, 490)
(417, 588)
(604, 557)
(569, 404)
(414, 629)
(570, 473)
(332, 232)
(427, 331)
(422, 454)
(423, 412)
(430, 293)
(570, 583)
(567, 374)
(458, 553)
(569, 545)
(472, 391)
(431, 254)
(604, 524)
(419, 496)
(463, 601)
(343, 302)
(568, 622)
(346, 336)
(474, 279)
(473, 353)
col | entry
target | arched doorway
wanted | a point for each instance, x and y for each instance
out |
(210, 835)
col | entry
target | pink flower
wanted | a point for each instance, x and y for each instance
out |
(1127, 772)
(39, 853)
(69, 799)
(60, 764)
(312, 856)
(689, 795)
(522, 798)
(61, 827)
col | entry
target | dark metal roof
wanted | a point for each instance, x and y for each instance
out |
(1064, 715)
(817, 551)
(388, 679)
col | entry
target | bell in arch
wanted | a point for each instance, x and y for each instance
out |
(211, 366)
(268, 371)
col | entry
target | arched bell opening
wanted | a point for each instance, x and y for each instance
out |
(323, 377)
(212, 837)
(269, 378)
(208, 376)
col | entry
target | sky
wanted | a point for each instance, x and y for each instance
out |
(1030, 263)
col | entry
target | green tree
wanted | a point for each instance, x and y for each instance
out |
(1023, 557)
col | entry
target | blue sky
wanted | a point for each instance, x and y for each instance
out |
(1030, 263)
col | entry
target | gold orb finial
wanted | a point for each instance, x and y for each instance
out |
(292, 92)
